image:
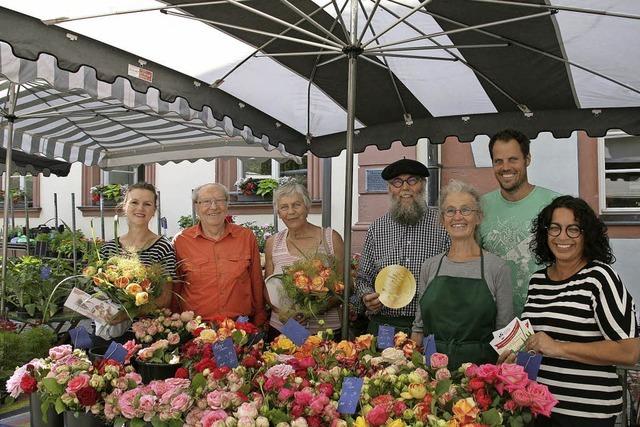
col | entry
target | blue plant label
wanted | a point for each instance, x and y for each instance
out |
(530, 362)
(163, 222)
(429, 345)
(116, 352)
(242, 319)
(295, 332)
(80, 338)
(386, 335)
(350, 395)
(225, 353)
(45, 272)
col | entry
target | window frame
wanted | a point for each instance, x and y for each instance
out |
(602, 176)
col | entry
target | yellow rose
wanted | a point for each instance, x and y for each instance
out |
(284, 344)
(465, 410)
(396, 423)
(269, 357)
(208, 335)
(417, 391)
(363, 342)
(142, 298)
(346, 348)
(361, 422)
(133, 289)
(313, 340)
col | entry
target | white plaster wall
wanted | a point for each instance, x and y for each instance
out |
(554, 161)
(337, 202)
(626, 253)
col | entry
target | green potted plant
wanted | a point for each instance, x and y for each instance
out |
(256, 190)
(111, 193)
(185, 221)
(266, 187)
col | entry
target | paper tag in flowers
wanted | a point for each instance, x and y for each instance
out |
(116, 352)
(295, 332)
(530, 362)
(224, 353)
(242, 319)
(386, 336)
(80, 338)
(510, 338)
(350, 395)
(90, 306)
(429, 345)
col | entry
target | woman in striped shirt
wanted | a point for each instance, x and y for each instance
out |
(583, 317)
(139, 207)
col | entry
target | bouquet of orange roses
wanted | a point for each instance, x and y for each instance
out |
(310, 284)
(124, 280)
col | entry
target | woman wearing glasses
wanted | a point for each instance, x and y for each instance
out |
(465, 293)
(583, 316)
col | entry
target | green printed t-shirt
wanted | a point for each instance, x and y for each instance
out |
(506, 232)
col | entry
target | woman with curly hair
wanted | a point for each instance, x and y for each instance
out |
(583, 316)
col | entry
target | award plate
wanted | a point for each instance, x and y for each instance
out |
(396, 286)
(276, 293)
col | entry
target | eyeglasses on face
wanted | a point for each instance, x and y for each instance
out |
(212, 202)
(573, 231)
(399, 182)
(464, 211)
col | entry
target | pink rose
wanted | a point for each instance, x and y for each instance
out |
(280, 371)
(443, 374)
(303, 398)
(307, 362)
(326, 389)
(146, 402)
(214, 399)
(512, 376)
(439, 360)
(173, 338)
(57, 353)
(377, 416)
(133, 376)
(521, 397)
(318, 404)
(210, 417)
(470, 371)
(180, 403)
(510, 406)
(285, 394)
(187, 316)
(542, 401)
(488, 372)
(77, 382)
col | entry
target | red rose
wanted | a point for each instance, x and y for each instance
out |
(87, 396)
(326, 389)
(250, 362)
(220, 373)
(476, 384)
(196, 331)
(181, 373)
(482, 398)
(242, 396)
(314, 421)
(205, 364)
(28, 384)
(249, 328)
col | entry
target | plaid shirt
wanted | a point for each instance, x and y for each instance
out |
(389, 242)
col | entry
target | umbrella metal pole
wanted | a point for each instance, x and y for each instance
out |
(193, 209)
(326, 193)
(159, 215)
(13, 211)
(13, 96)
(433, 183)
(55, 208)
(102, 217)
(26, 221)
(73, 233)
(353, 51)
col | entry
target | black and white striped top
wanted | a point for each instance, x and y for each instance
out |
(161, 252)
(592, 305)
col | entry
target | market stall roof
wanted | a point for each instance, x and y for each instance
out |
(71, 111)
(24, 164)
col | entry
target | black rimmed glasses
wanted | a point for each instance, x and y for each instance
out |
(464, 211)
(573, 231)
(212, 202)
(399, 182)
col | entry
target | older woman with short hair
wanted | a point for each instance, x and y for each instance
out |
(465, 293)
(300, 240)
(583, 316)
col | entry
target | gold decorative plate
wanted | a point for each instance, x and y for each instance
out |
(396, 286)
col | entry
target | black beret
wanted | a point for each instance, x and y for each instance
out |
(404, 166)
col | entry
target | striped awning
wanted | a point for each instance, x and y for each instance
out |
(76, 117)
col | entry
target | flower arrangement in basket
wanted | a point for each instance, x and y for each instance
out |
(124, 280)
(310, 284)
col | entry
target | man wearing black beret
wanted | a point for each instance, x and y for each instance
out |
(406, 235)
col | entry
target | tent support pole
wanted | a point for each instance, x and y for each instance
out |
(73, 233)
(433, 183)
(159, 212)
(102, 217)
(26, 221)
(11, 108)
(353, 52)
(55, 209)
(326, 192)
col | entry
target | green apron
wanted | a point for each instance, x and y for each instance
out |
(461, 314)
(401, 323)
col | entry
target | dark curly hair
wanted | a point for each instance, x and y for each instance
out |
(594, 231)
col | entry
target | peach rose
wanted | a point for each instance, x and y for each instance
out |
(121, 282)
(363, 342)
(142, 298)
(133, 288)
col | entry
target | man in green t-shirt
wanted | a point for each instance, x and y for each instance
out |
(509, 210)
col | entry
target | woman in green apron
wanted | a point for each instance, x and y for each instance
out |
(465, 293)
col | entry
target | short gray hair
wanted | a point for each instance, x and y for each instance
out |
(194, 193)
(454, 186)
(292, 188)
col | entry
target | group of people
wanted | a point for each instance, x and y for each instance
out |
(521, 250)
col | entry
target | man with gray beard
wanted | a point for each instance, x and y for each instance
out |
(406, 235)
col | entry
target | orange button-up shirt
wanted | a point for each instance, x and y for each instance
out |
(223, 277)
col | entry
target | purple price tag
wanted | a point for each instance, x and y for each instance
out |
(350, 395)
(80, 338)
(386, 335)
(116, 352)
(225, 353)
(429, 345)
(530, 362)
(295, 332)
(242, 319)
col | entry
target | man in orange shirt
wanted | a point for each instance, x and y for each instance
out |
(219, 262)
